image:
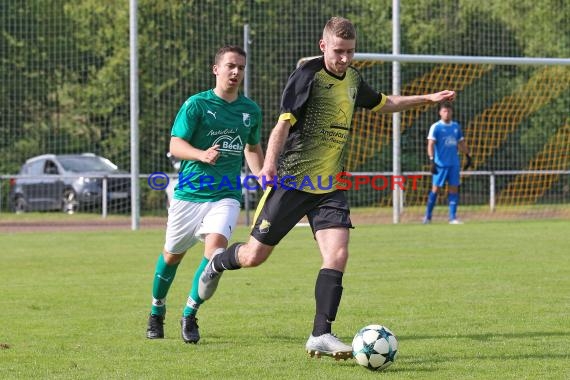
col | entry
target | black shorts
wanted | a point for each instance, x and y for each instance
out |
(280, 209)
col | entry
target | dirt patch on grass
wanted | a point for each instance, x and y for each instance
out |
(11, 223)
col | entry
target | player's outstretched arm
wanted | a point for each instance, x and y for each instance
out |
(397, 103)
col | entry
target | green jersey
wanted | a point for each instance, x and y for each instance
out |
(319, 106)
(205, 120)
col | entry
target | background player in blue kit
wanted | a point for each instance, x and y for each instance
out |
(445, 138)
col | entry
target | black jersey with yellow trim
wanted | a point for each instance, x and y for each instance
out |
(320, 106)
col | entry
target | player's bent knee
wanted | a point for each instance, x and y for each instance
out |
(336, 261)
(171, 258)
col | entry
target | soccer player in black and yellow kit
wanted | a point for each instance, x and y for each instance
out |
(309, 142)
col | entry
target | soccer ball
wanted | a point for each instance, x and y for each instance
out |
(375, 347)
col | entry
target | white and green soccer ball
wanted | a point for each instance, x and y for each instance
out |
(375, 347)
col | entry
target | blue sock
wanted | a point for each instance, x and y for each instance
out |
(432, 198)
(453, 199)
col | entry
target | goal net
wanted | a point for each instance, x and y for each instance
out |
(514, 115)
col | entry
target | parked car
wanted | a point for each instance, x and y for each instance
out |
(67, 182)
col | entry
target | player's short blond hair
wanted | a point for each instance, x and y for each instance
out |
(339, 27)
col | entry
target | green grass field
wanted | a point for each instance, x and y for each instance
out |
(477, 301)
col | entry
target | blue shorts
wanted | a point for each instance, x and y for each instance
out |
(446, 173)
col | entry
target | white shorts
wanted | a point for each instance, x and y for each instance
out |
(190, 222)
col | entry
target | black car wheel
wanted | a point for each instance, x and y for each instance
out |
(69, 202)
(20, 205)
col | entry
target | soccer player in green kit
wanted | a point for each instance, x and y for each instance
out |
(309, 141)
(211, 134)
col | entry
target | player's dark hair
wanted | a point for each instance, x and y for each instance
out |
(229, 49)
(340, 27)
(447, 105)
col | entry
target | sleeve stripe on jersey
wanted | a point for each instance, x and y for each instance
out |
(383, 99)
(288, 116)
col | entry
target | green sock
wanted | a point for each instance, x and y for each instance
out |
(194, 301)
(163, 277)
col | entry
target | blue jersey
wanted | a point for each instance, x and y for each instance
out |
(446, 137)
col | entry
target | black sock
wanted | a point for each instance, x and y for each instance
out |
(328, 291)
(227, 260)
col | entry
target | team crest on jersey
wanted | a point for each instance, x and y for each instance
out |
(264, 226)
(246, 120)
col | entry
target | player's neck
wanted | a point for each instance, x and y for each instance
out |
(228, 96)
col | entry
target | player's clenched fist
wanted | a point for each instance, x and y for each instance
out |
(210, 155)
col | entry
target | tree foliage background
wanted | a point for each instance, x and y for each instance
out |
(64, 64)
